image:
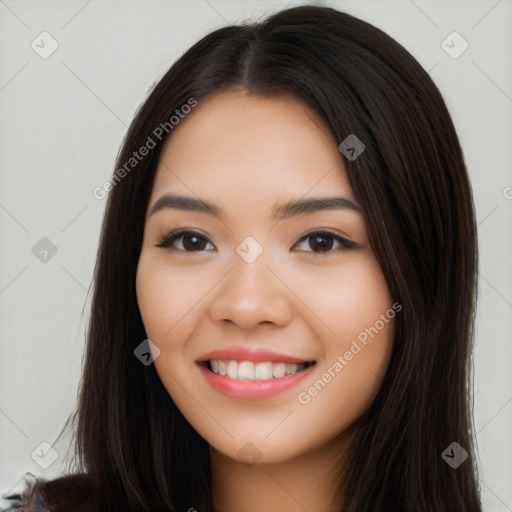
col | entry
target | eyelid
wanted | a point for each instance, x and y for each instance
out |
(344, 242)
(176, 234)
(172, 236)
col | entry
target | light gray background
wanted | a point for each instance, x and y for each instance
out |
(63, 119)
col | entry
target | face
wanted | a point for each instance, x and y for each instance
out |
(273, 321)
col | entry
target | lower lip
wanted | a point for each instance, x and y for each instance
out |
(253, 389)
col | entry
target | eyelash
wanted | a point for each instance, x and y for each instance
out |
(167, 241)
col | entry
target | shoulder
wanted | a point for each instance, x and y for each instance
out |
(29, 497)
(67, 493)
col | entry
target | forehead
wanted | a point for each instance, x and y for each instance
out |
(243, 147)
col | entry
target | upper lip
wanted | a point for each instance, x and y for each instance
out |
(256, 355)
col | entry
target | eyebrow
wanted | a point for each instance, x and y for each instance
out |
(279, 212)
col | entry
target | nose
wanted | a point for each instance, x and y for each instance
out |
(251, 294)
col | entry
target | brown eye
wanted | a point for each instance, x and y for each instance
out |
(190, 241)
(322, 242)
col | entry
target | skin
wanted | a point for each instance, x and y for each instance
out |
(247, 153)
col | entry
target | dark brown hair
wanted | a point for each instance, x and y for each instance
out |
(139, 453)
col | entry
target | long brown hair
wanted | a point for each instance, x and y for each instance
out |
(139, 453)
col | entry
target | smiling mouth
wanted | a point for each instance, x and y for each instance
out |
(251, 371)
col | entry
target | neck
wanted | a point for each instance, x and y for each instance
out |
(306, 482)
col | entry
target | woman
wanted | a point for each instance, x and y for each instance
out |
(285, 286)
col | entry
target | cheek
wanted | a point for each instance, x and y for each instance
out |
(356, 328)
(345, 300)
(167, 295)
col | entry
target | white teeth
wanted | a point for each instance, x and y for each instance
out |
(232, 369)
(263, 371)
(278, 370)
(247, 370)
(290, 369)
